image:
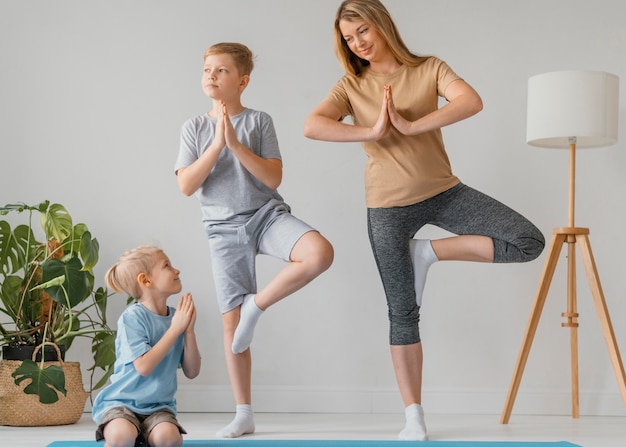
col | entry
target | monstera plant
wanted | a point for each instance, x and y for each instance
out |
(48, 295)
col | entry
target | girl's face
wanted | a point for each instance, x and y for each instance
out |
(363, 40)
(221, 79)
(164, 277)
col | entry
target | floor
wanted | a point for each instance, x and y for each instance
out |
(586, 432)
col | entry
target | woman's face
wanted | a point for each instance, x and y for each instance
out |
(363, 40)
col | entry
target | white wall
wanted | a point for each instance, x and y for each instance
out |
(92, 96)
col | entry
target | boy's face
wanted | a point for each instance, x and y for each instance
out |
(221, 79)
(164, 277)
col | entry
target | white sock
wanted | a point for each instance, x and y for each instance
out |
(415, 428)
(423, 257)
(248, 317)
(243, 423)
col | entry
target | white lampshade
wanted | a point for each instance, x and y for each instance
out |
(567, 104)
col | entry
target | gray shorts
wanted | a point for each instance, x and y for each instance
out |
(272, 231)
(143, 423)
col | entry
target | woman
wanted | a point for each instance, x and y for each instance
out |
(392, 96)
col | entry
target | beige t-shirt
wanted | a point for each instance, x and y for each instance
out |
(401, 170)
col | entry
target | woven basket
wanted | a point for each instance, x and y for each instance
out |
(24, 410)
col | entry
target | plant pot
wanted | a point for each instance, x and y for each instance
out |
(25, 352)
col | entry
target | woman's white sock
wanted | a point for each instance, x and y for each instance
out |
(423, 257)
(415, 428)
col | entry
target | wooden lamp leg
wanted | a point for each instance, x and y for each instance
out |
(603, 312)
(572, 320)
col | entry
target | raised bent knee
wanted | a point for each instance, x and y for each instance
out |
(325, 255)
(533, 247)
(315, 251)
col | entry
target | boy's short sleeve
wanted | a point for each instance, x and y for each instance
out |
(133, 338)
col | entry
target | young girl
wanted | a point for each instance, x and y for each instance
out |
(392, 96)
(153, 339)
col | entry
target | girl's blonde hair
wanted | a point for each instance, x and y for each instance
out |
(375, 14)
(122, 277)
(241, 54)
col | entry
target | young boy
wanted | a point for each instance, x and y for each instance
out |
(230, 159)
(152, 340)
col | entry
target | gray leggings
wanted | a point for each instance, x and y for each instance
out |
(460, 210)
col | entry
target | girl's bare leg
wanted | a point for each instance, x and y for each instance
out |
(407, 364)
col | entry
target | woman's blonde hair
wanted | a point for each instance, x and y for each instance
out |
(241, 54)
(375, 14)
(122, 277)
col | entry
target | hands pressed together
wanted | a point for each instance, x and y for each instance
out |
(184, 318)
(225, 134)
(388, 117)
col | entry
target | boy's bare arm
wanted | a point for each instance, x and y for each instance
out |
(191, 177)
(147, 362)
(191, 359)
(185, 313)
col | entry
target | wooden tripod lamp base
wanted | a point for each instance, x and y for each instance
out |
(567, 109)
(571, 236)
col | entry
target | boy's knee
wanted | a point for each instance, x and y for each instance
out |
(317, 252)
(120, 433)
(165, 434)
(325, 255)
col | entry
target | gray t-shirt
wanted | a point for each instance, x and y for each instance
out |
(230, 193)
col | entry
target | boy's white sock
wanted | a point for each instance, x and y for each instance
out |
(415, 428)
(248, 317)
(423, 257)
(243, 423)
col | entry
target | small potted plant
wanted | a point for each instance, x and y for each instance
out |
(48, 297)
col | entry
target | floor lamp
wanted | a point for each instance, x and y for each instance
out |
(570, 109)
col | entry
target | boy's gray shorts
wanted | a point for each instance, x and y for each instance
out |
(272, 231)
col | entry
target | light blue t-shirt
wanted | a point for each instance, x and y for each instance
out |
(230, 193)
(138, 330)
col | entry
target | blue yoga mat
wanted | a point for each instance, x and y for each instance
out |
(331, 443)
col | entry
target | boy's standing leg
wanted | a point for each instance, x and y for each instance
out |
(311, 255)
(240, 374)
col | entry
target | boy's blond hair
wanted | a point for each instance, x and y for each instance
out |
(243, 57)
(122, 277)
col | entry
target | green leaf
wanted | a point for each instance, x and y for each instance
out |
(89, 250)
(9, 293)
(101, 297)
(56, 222)
(103, 379)
(103, 349)
(45, 382)
(75, 283)
(14, 247)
